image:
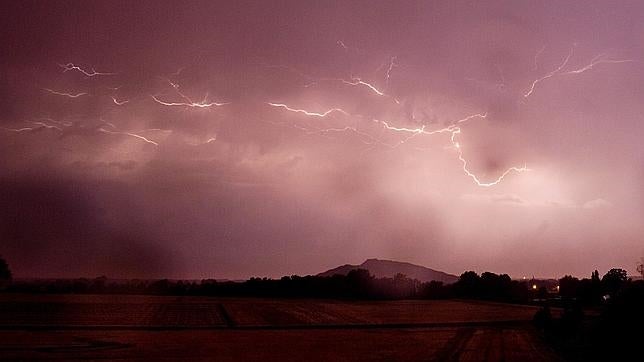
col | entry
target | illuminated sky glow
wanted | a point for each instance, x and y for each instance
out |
(228, 140)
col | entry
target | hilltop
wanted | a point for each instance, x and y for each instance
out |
(389, 268)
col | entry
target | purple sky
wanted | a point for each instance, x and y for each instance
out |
(192, 139)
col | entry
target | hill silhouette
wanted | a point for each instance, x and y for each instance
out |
(389, 268)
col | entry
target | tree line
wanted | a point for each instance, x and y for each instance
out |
(357, 284)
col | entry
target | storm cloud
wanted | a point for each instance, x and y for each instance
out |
(193, 139)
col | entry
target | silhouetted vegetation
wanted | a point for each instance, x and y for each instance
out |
(490, 286)
(5, 273)
(602, 319)
(357, 284)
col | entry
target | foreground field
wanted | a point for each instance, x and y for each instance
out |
(116, 327)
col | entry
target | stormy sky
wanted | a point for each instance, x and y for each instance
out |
(266, 138)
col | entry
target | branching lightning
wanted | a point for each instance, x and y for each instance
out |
(202, 104)
(473, 176)
(187, 101)
(600, 59)
(549, 75)
(388, 130)
(453, 129)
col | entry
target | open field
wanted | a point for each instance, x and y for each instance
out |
(120, 326)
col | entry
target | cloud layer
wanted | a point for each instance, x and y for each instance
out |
(209, 139)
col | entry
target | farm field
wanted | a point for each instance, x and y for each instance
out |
(128, 327)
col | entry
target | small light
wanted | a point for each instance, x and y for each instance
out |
(534, 286)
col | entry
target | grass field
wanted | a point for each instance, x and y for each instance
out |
(131, 327)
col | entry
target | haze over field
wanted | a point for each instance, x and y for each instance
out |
(208, 139)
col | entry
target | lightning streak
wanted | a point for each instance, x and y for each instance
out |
(64, 94)
(202, 104)
(305, 112)
(62, 123)
(536, 57)
(358, 81)
(119, 103)
(209, 140)
(473, 176)
(70, 66)
(39, 126)
(47, 126)
(130, 134)
(549, 75)
(601, 58)
(453, 129)
(392, 64)
(188, 102)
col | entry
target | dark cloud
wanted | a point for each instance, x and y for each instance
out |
(64, 227)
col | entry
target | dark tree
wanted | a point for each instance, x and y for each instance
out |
(360, 282)
(468, 285)
(640, 267)
(5, 272)
(568, 286)
(613, 280)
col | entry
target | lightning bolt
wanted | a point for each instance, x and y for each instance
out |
(600, 59)
(536, 57)
(62, 123)
(70, 66)
(390, 134)
(305, 112)
(39, 126)
(549, 75)
(392, 64)
(64, 94)
(47, 126)
(209, 140)
(354, 81)
(119, 103)
(19, 130)
(188, 102)
(360, 82)
(473, 176)
(130, 134)
(202, 104)
(42, 125)
(454, 129)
